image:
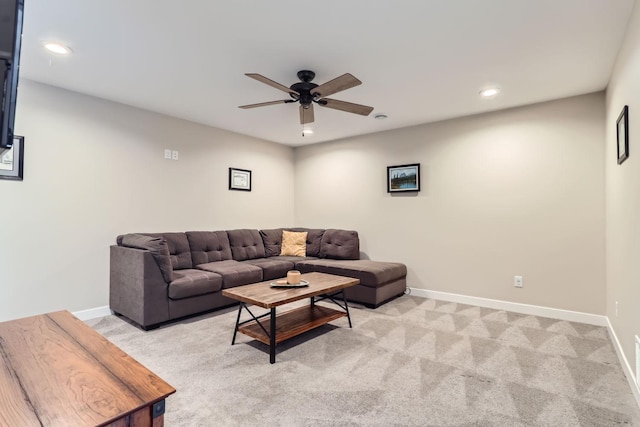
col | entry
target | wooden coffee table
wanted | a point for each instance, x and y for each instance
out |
(57, 371)
(288, 324)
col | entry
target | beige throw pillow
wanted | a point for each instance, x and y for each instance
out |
(294, 243)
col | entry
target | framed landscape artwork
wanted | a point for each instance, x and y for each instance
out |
(403, 178)
(12, 160)
(239, 179)
(623, 134)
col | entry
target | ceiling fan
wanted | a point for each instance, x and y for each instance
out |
(306, 93)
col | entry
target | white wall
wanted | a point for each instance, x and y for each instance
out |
(516, 192)
(95, 169)
(623, 194)
(513, 192)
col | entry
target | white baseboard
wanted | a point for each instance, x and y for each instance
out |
(93, 313)
(628, 372)
(534, 310)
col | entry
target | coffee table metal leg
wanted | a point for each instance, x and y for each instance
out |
(272, 337)
(346, 308)
(235, 330)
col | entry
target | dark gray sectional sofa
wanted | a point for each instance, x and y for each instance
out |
(159, 277)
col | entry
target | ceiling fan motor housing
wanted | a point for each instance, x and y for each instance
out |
(304, 89)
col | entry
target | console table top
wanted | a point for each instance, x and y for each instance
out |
(57, 371)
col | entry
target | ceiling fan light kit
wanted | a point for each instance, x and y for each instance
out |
(57, 48)
(307, 93)
(489, 92)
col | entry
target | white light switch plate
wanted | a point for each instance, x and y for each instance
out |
(518, 281)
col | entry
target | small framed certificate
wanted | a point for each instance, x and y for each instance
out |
(622, 126)
(12, 160)
(239, 179)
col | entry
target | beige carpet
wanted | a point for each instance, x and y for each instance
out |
(411, 362)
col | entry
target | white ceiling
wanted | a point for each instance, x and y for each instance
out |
(419, 60)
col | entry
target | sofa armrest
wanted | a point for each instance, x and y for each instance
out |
(137, 287)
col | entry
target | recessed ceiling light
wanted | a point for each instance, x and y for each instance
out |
(489, 92)
(380, 116)
(307, 131)
(58, 48)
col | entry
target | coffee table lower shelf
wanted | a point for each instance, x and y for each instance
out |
(292, 323)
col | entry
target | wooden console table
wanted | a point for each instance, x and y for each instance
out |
(57, 371)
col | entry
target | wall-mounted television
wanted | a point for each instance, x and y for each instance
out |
(11, 13)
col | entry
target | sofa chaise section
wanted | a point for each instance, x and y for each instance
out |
(335, 251)
(340, 254)
(379, 281)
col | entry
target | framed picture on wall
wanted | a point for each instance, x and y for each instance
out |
(403, 178)
(623, 134)
(239, 179)
(12, 160)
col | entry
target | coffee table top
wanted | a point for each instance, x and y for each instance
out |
(264, 295)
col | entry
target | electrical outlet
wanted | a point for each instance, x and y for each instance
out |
(518, 281)
(167, 153)
(174, 155)
(616, 308)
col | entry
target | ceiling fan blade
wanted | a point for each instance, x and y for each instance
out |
(264, 104)
(349, 107)
(270, 82)
(306, 115)
(338, 84)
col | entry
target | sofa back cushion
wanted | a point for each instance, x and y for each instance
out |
(246, 244)
(340, 244)
(156, 245)
(179, 249)
(209, 246)
(272, 240)
(314, 237)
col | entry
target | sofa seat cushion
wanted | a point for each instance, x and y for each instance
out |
(293, 259)
(272, 268)
(234, 273)
(190, 283)
(371, 273)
